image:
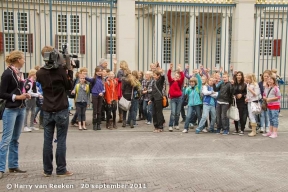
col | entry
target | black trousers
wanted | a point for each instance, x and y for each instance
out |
(141, 113)
(97, 107)
(243, 114)
(158, 117)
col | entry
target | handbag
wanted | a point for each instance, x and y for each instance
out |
(124, 104)
(2, 107)
(255, 108)
(264, 104)
(233, 112)
(165, 102)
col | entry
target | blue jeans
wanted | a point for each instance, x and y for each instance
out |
(273, 117)
(176, 104)
(132, 111)
(13, 120)
(264, 119)
(147, 111)
(189, 116)
(60, 120)
(206, 110)
(222, 119)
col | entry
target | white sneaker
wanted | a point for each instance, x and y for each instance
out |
(170, 129)
(148, 123)
(266, 129)
(27, 129)
(34, 128)
(177, 127)
(205, 130)
(185, 131)
(261, 130)
(280, 115)
(191, 126)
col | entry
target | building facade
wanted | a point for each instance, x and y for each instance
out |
(250, 35)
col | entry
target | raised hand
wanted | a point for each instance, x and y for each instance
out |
(171, 66)
(187, 66)
(221, 69)
(179, 67)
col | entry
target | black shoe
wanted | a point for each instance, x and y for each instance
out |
(124, 124)
(98, 127)
(16, 170)
(132, 124)
(94, 127)
(103, 119)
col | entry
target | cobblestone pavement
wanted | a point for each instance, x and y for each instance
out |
(138, 160)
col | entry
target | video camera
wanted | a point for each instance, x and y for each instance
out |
(57, 58)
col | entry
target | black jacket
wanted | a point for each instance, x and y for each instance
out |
(55, 83)
(11, 85)
(156, 96)
(238, 89)
(127, 89)
(226, 91)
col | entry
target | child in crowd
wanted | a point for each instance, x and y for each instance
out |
(209, 102)
(253, 93)
(225, 93)
(193, 93)
(272, 96)
(111, 97)
(82, 95)
(175, 93)
(30, 88)
(145, 84)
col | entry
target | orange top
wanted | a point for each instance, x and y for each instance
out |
(111, 90)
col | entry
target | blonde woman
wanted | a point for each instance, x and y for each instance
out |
(129, 86)
(253, 92)
(30, 87)
(122, 73)
(12, 82)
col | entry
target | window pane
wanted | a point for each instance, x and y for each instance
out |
(8, 21)
(23, 42)
(198, 50)
(218, 50)
(167, 50)
(22, 22)
(74, 23)
(62, 23)
(74, 41)
(9, 42)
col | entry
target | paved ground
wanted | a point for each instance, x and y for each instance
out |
(139, 160)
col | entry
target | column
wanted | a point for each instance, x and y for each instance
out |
(125, 32)
(284, 46)
(158, 36)
(243, 36)
(257, 45)
(225, 42)
(192, 41)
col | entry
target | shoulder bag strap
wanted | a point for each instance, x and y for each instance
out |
(158, 89)
(269, 92)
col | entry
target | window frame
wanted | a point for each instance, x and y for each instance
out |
(266, 41)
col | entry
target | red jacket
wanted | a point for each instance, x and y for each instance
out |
(175, 90)
(111, 90)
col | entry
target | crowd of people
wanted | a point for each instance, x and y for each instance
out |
(207, 95)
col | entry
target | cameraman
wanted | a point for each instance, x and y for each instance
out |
(55, 81)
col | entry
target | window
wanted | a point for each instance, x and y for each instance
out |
(267, 34)
(111, 25)
(22, 42)
(199, 50)
(167, 50)
(8, 21)
(198, 45)
(16, 32)
(111, 45)
(22, 21)
(74, 23)
(62, 39)
(111, 30)
(9, 42)
(68, 31)
(218, 50)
